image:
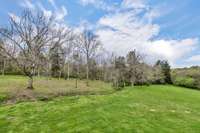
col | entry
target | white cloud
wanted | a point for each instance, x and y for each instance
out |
(52, 2)
(58, 12)
(172, 50)
(61, 13)
(86, 2)
(194, 59)
(125, 31)
(116, 6)
(47, 13)
(151, 15)
(27, 4)
(136, 4)
(100, 4)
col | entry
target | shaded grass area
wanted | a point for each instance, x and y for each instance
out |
(14, 87)
(157, 108)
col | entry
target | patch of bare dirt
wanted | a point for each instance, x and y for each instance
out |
(22, 95)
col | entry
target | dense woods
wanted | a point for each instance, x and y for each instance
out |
(36, 45)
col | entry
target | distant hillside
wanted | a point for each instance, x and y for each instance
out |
(188, 77)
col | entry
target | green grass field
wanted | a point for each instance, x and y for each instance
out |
(149, 109)
(10, 86)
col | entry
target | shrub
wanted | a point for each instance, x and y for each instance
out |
(185, 81)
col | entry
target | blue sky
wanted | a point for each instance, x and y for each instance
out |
(160, 29)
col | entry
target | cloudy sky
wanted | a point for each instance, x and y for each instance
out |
(159, 29)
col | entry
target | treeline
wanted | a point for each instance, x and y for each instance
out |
(121, 71)
(37, 45)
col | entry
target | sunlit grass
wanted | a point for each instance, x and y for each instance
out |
(157, 108)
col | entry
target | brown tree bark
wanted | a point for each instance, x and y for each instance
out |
(30, 83)
(68, 70)
(76, 82)
(87, 75)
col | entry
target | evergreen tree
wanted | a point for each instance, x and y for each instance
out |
(166, 70)
(57, 61)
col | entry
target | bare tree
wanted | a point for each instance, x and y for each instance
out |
(68, 56)
(2, 60)
(26, 40)
(77, 61)
(119, 76)
(89, 45)
(61, 47)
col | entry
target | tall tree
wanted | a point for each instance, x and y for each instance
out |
(136, 72)
(119, 75)
(57, 61)
(27, 36)
(61, 44)
(166, 70)
(158, 75)
(89, 45)
(76, 65)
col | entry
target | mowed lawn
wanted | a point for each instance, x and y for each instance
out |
(149, 109)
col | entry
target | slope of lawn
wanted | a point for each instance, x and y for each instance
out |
(152, 109)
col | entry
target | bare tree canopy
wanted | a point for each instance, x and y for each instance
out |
(28, 38)
(88, 44)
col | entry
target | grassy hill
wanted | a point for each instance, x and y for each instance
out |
(157, 108)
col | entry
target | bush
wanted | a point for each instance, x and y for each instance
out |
(187, 77)
(186, 82)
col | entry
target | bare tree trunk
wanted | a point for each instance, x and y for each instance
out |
(49, 71)
(77, 82)
(132, 84)
(64, 71)
(4, 65)
(77, 75)
(34, 72)
(60, 74)
(87, 75)
(30, 83)
(38, 72)
(68, 71)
